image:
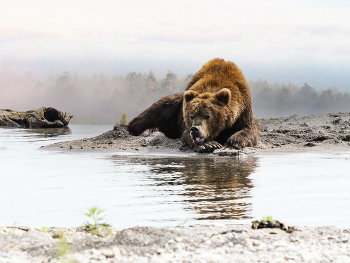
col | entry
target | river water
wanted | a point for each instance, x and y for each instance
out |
(55, 188)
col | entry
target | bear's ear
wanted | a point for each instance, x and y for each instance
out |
(223, 96)
(190, 95)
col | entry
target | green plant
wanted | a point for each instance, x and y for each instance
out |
(63, 250)
(268, 218)
(123, 120)
(58, 234)
(44, 229)
(182, 223)
(96, 226)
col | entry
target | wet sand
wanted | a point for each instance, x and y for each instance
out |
(315, 133)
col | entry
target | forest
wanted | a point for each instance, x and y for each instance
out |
(103, 99)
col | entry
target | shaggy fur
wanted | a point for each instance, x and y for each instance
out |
(215, 110)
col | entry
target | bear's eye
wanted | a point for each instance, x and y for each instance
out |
(191, 117)
(207, 116)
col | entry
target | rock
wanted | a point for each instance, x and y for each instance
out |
(40, 118)
(226, 152)
(108, 253)
(310, 144)
(178, 239)
(258, 224)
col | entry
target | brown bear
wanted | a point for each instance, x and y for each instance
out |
(214, 111)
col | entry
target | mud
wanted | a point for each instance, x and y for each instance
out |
(320, 133)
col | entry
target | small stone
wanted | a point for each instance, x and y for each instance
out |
(208, 242)
(310, 144)
(170, 241)
(256, 243)
(160, 251)
(293, 238)
(108, 253)
(14, 247)
(178, 239)
(279, 243)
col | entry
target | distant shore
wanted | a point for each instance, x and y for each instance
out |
(235, 243)
(294, 134)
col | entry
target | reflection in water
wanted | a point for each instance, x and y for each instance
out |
(214, 187)
(12, 133)
(50, 132)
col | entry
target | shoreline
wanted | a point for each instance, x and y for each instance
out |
(235, 243)
(324, 133)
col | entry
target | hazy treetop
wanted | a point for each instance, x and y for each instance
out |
(103, 98)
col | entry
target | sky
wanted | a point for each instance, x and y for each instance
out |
(277, 40)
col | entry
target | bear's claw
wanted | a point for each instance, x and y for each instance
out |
(206, 147)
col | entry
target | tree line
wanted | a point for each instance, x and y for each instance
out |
(103, 99)
(280, 100)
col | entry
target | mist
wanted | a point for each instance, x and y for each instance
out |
(93, 58)
(102, 98)
(318, 75)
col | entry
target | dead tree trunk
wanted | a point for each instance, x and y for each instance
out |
(40, 118)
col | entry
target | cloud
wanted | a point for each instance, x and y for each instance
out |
(343, 50)
(24, 35)
(322, 30)
(188, 38)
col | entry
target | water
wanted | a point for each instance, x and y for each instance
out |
(54, 188)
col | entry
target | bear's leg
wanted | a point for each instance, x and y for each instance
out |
(164, 115)
(243, 138)
(244, 133)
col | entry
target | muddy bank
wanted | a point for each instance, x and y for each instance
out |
(322, 133)
(118, 139)
(237, 243)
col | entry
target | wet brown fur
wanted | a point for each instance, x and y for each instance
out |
(218, 90)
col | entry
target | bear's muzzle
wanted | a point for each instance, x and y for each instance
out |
(196, 134)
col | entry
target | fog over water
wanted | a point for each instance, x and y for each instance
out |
(102, 98)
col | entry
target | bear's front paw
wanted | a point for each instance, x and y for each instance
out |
(237, 142)
(207, 147)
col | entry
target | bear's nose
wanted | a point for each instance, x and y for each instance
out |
(194, 129)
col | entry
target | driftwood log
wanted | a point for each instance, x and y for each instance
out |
(40, 118)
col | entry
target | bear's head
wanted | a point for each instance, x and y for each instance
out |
(207, 114)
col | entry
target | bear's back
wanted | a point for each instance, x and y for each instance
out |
(217, 74)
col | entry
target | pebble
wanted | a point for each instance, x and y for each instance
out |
(108, 253)
(178, 239)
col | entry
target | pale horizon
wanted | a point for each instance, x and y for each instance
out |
(280, 41)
